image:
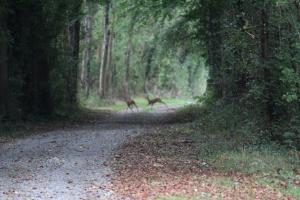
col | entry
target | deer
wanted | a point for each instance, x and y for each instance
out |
(131, 103)
(154, 101)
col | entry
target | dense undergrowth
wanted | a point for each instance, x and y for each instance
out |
(251, 124)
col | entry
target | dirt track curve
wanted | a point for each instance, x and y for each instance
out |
(70, 164)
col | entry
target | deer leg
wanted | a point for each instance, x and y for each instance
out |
(131, 108)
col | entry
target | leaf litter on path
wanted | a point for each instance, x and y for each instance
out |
(163, 161)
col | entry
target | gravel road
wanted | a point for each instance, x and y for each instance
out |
(69, 164)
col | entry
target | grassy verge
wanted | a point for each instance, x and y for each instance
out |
(224, 154)
(231, 140)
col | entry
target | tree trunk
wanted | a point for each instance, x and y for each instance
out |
(113, 80)
(109, 78)
(105, 51)
(264, 45)
(214, 44)
(73, 43)
(150, 53)
(110, 74)
(87, 53)
(127, 65)
(3, 68)
(239, 76)
(296, 64)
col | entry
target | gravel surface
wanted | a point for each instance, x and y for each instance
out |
(69, 164)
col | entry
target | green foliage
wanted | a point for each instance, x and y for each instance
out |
(95, 102)
(252, 49)
(207, 98)
(154, 66)
(290, 79)
(288, 131)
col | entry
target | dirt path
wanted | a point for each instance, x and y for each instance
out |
(69, 164)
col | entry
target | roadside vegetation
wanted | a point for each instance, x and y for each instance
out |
(213, 157)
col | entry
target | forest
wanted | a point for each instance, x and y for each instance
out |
(227, 72)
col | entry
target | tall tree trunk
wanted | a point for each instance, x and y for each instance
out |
(296, 64)
(265, 51)
(105, 51)
(87, 52)
(113, 80)
(127, 65)
(111, 68)
(149, 55)
(34, 63)
(99, 53)
(3, 67)
(190, 76)
(73, 43)
(110, 74)
(214, 44)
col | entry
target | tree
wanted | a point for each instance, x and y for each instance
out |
(85, 76)
(37, 60)
(105, 50)
(73, 32)
(3, 63)
(128, 53)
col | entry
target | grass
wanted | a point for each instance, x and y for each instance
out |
(294, 191)
(265, 159)
(239, 144)
(268, 165)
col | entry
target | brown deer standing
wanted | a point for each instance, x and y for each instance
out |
(154, 101)
(130, 104)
